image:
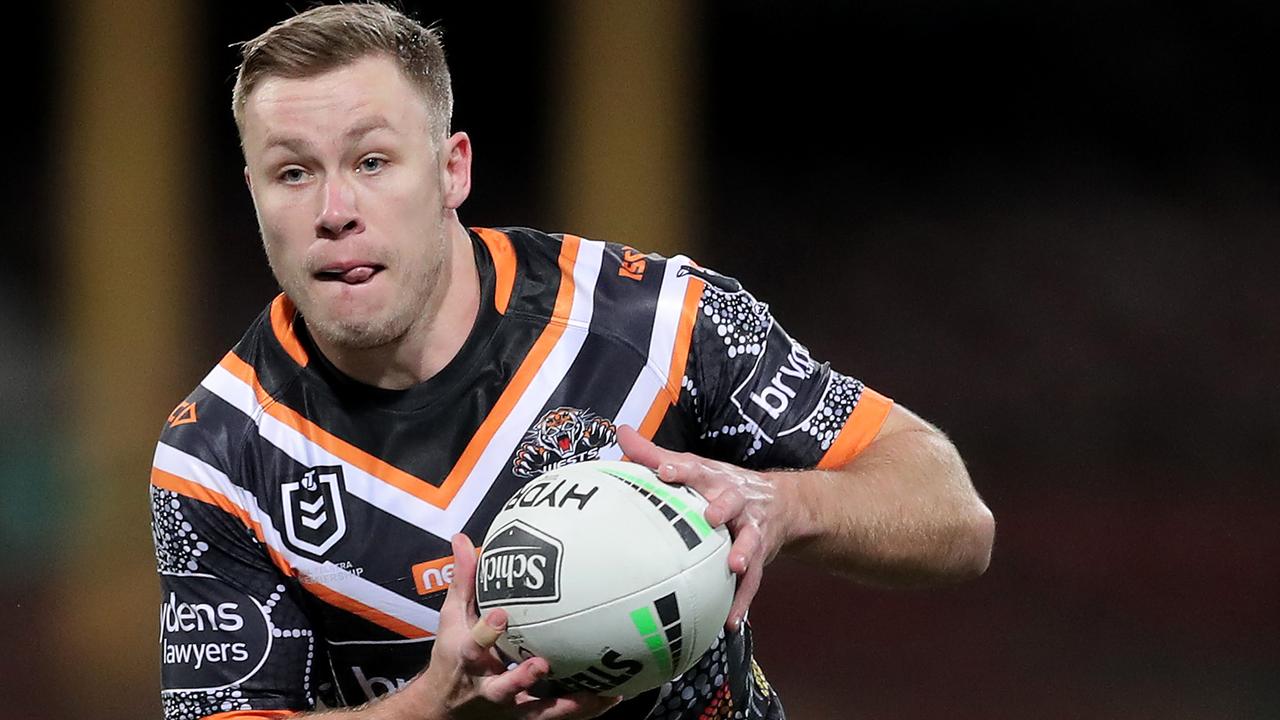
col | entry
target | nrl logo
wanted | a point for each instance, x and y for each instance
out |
(314, 520)
(563, 436)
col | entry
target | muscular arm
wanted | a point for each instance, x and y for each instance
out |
(903, 512)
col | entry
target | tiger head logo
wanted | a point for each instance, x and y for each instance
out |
(562, 436)
(559, 430)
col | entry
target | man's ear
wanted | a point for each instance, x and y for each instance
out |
(455, 170)
(248, 181)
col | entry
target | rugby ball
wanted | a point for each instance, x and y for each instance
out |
(611, 575)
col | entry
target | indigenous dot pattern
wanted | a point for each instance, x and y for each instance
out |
(178, 546)
(277, 632)
(836, 405)
(746, 427)
(703, 691)
(741, 322)
(196, 705)
(695, 399)
(720, 707)
(695, 687)
(762, 685)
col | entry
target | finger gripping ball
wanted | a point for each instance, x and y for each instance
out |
(608, 573)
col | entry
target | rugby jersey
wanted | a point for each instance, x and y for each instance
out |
(302, 519)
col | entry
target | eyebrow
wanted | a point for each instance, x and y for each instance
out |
(366, 126)
(358, 131)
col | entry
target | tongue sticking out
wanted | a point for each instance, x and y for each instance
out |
(357, 274)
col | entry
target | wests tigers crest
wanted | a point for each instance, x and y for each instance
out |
(562, 436)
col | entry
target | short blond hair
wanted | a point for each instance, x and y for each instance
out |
(330, 36)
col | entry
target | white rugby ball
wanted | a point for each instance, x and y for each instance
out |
(610, 574)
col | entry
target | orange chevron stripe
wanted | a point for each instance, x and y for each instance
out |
(340, 448)
(371, 614)
(859, 430)
(670, 393)
(504, 264)
(282, 316)
(525, 374)
(195, 491)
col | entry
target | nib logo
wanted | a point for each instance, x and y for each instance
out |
(520, 565)
(314, 519)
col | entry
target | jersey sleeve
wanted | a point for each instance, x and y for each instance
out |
(757, 396)
(235, 641)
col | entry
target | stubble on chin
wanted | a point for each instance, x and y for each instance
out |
(357, 335)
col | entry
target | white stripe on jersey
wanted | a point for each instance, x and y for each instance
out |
(652, 378)
(194, 470)
(528, 408)
(394, 501)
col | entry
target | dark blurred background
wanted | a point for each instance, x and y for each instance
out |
(1046, 227)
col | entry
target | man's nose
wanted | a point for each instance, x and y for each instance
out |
(339, 216)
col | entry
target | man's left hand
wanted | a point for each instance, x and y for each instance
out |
(747, 501)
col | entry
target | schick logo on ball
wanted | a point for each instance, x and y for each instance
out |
(520, 565)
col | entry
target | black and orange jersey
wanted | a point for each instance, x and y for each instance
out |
(302, 519)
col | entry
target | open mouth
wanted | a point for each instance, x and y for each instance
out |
(354, 275)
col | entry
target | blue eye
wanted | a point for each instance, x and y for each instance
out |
(371, 164)
(293, 175)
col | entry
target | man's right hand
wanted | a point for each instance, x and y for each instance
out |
(467, 679)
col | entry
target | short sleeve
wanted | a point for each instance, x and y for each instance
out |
(759, 398)
(234, 639)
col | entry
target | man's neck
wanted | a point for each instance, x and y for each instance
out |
(434, 339)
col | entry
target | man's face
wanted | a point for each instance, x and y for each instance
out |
(352, 195)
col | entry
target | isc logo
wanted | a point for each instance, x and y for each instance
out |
(632, 265)
(519, 565)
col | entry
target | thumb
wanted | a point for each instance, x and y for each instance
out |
(462, 588)
(638, 448)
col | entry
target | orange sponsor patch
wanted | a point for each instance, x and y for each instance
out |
(434, 576)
